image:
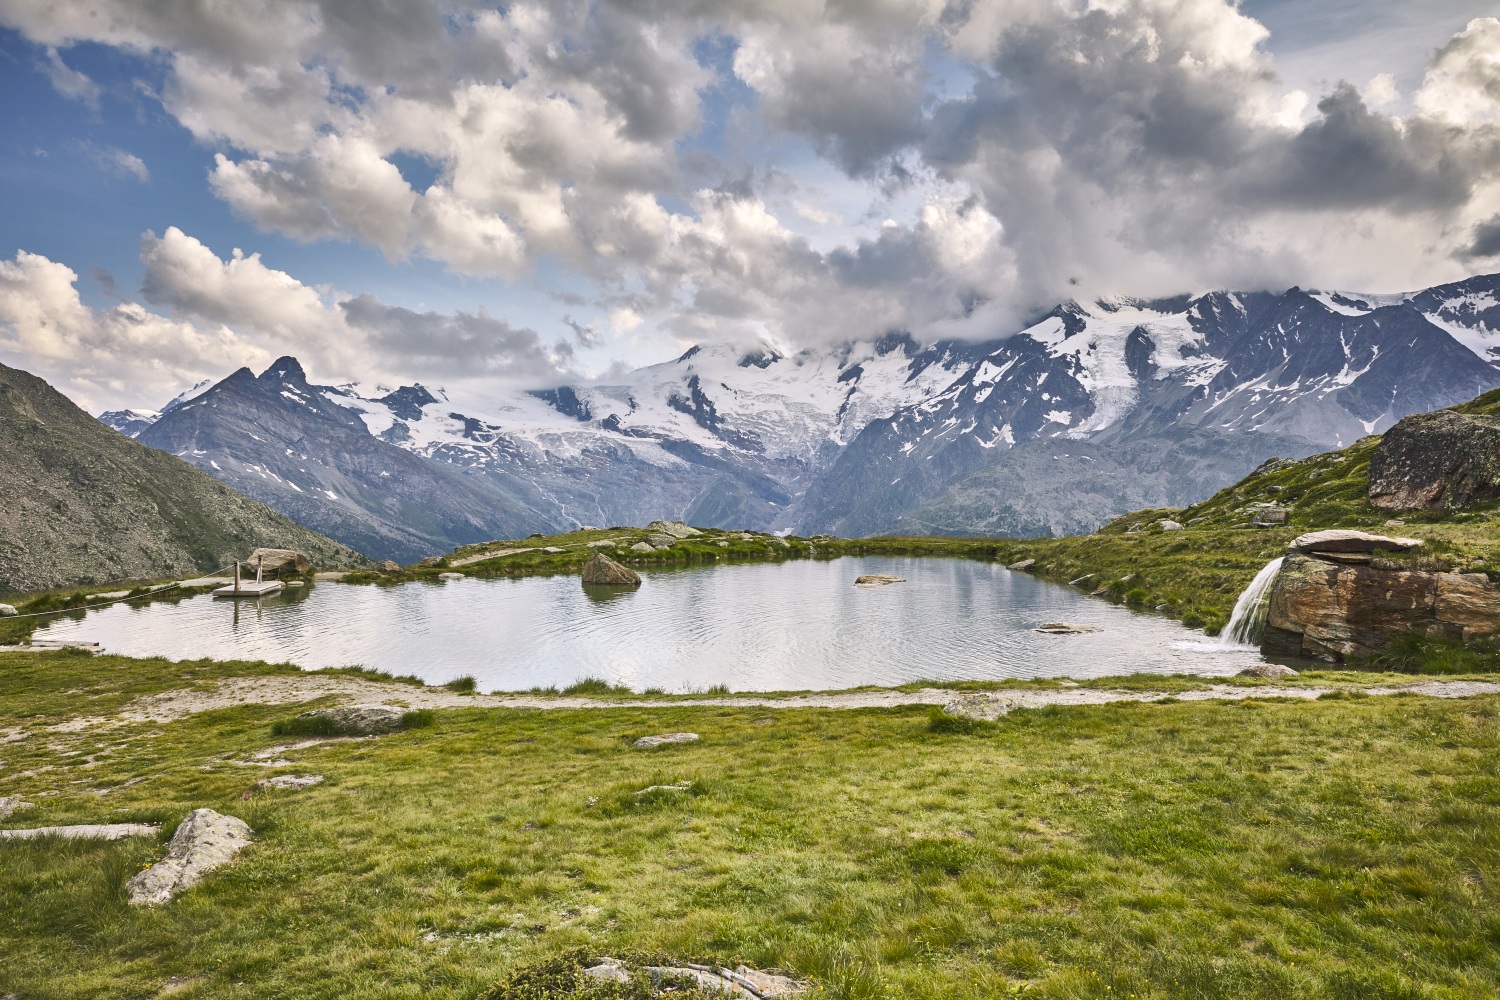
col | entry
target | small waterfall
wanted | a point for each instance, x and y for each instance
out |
(1249, 618)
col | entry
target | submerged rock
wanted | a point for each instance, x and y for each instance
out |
(647, 742)
(1270, 671)
(1064, 628)
(601, 569)
(204, 841)
(876, 580)
(450, 576)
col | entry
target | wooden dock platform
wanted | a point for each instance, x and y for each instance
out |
(249, 588)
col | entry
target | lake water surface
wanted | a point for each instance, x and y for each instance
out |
(796, 625)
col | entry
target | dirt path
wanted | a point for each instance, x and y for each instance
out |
(353, 690)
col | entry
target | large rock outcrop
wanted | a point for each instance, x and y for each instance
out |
(204, 841)
(1437, 461)
(1336, 610)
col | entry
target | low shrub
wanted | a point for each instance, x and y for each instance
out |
(1422, 654)
(593, 685)
(463, 685)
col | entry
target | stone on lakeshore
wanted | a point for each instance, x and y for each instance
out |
(1167, 524)
(450, 576)
(1023, 564)
(778, 541)
(1064, 628)
(364, 720)
(1349, 540)
(661, 541)
(429, 561)
(290, 781)
(983, 707)
(6, 611)
(1271, 671)
(676, 529)
(876, 580)
(601, 569)
(204, 841)
(1334, 611)
(647, 742)
(643, 547)
(388, 566)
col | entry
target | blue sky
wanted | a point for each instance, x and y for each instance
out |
(736, 172)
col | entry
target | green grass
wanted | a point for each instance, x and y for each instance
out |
(1346, 847)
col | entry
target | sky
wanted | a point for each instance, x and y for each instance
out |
(453, 193)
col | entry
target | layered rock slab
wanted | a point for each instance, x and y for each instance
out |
(1326, 610)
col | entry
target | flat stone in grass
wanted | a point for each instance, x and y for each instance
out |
(9, 806)
(1271, 671)
(204, 841)
(91, 831)
(290, 781)
(362, 720)
(1348, 540)
(648, 742)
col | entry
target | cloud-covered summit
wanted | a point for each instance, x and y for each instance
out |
(796, 171)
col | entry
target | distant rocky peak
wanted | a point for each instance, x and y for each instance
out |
(287, 370)
(407, 401)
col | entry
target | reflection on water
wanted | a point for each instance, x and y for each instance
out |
(770, 626)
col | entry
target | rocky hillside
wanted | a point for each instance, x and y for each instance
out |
(80, 504)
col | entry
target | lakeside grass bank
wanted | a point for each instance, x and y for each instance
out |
(1345, 847)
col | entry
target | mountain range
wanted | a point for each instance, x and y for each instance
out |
(1091, 410)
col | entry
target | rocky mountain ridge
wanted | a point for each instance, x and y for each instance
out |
(1091, 411)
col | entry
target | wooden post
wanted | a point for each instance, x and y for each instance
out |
(257, 568)
(236, 574)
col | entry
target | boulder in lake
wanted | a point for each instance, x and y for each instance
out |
(1270, 671)
(876, 580)
(204, 841)
(1064, 628)
(676, 529)
(648, 742)
(602, 570)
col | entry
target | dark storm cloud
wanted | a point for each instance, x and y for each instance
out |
(1486, 241)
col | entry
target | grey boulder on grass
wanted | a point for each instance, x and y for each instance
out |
(204, 841)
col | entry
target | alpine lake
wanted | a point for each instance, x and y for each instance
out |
(782, 626)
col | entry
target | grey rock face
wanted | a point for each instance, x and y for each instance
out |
(1437, 461)
(604, 571)
(362, 720)
(204, 841)
(648, 742)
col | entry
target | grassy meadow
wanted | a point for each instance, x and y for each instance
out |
(1347, 847)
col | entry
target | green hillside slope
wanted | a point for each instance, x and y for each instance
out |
(81, 503)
